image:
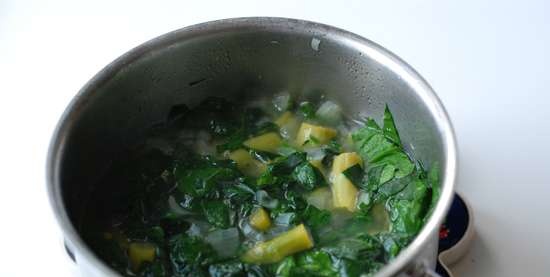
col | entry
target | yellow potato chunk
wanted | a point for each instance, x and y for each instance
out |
(246, 163)
(288, 125)
(345, 161)
(285, 118)
(140, 252)
(260, 220)
(344, 193)
(269, 142)
(295, 240)
(321, 134)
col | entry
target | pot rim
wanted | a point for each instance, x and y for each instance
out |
(373, 50)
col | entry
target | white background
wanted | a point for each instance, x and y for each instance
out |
(488, 61)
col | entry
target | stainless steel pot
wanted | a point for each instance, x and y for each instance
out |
(238, 58)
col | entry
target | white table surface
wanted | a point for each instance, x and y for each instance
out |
(488, 61)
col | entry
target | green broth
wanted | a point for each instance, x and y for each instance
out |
(278, 187)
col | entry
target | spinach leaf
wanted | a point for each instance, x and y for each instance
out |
(354, 174)
(308, 176)
(145, 233)
(285, 267)
(407, 209)
(246, 126)
(372, 143)
(316, 263)
(391, 177)
(215, 114)
(393, 243)
(154, 269)
(390, 131)
(375, 147)
(245, 209)
(331, 149)
(289, 207)
(281, 168)
(155, 234)
(233, 142)
(200, 181)
(315, 219)
(226, 269)
(216, 213)
(292, 168)
(173, 224)
(362, 247)
(239, 192)
(357, 255)
(393, 187)
(347, 267)
(189, 255)
(253, 270)
(400, 164)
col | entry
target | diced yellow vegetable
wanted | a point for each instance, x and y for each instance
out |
(295, 240)
(345, 161)
(269, 142)
(284, 119)
(140, 252)
(322, 134)
(260, 219)
(321, 198)
(246, 163)
(288, 125)
(344, 193)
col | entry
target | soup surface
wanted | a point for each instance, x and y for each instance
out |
(274, 187)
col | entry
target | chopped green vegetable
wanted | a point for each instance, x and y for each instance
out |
(308, 176)
(316, 263)
(216, 213)
(355, 174)
(225, 189)
(390, 131)
(200, 181)
(226, 269)
(190, 255)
